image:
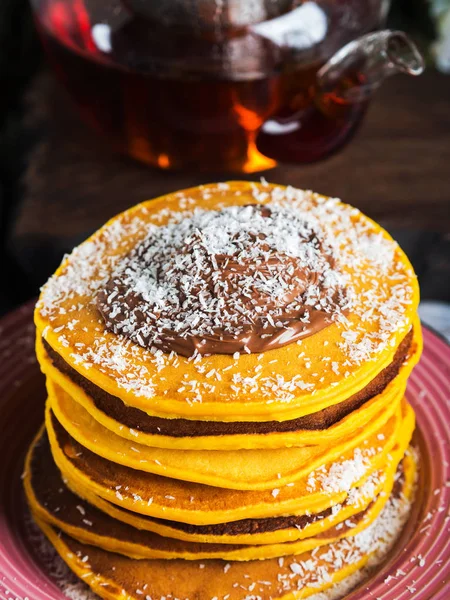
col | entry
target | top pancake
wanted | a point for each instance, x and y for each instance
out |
(281, 384)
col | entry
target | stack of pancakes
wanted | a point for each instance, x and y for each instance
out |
(191, 453)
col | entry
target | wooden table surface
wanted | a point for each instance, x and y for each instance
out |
(397, 169)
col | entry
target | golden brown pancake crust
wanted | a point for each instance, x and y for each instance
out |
(140, 421)
(55, 496)
(249, 526)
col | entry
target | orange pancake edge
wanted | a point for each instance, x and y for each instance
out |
(152, 546)
(151, 495)
(356, 418)
(114, 576)
(257, 469)
(83, 523)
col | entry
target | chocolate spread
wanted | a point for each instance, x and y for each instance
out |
(240, 280)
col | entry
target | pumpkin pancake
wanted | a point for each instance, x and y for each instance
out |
(89, 525)
(51, 500)
(274, 530)
(113, 576)
(165, 498)
(354, 322)
(134, 424)
(234, 469)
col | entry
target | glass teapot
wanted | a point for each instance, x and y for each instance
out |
(225, 85)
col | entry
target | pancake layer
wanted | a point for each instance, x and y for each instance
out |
(113, 576)
(327, 425)
(89, 525)
(165, 498)
(234, 469)
(52, 501)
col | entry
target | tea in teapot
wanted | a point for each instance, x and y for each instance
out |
(222, 85)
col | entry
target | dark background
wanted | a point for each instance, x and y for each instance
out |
(30, 244)
(20, 57)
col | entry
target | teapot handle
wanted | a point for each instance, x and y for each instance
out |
(337, 100)
(352, 75)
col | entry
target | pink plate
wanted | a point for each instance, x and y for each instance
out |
(418, 568)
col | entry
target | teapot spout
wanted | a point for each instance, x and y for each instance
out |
(358, 69)
(402, 54)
